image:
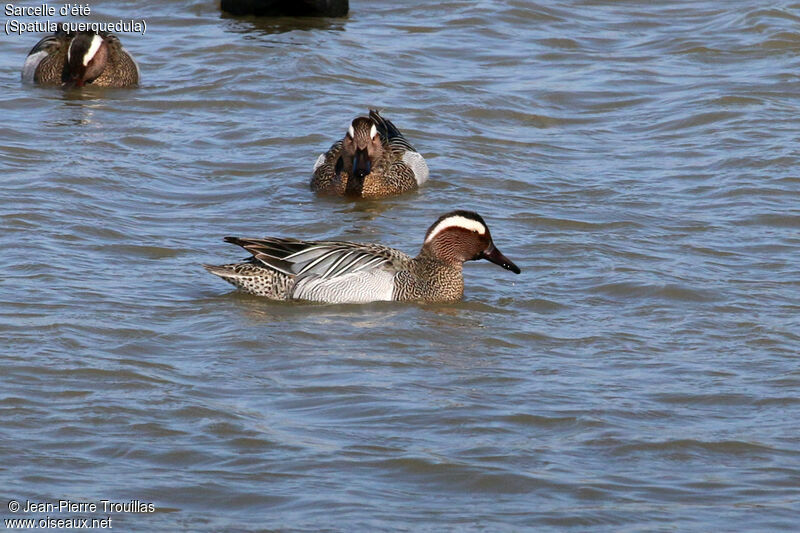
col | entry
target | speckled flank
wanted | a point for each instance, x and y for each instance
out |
(327, 178)
(255, 279)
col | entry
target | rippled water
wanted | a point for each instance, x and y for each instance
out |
(639, 163)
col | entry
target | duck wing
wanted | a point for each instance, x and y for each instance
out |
(389, 132)
(51, 43)
(322, 259)
(329, 271)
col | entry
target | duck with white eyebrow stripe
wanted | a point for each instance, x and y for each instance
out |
(373, 160)
(349, 272)
(86, 58)
(75, 59)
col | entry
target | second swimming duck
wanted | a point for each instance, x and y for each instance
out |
(373, 160)
(348, 272)
(75, 59)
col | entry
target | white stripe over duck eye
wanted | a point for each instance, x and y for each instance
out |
(351, 132)
(373, 131)
(457, 221)
(96, 42)
(95, 46)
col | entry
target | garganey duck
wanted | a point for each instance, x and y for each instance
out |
(75, 59)
(348, 272)
(373, 160)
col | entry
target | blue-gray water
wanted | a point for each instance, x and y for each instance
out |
(639, 163)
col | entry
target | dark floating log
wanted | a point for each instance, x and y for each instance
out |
(287, 8)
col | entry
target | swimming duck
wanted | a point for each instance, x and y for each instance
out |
(373, 160)
(75, 59)
(348, 272)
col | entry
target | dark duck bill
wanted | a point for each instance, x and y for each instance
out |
(493, 254)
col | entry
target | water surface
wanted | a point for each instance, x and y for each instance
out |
(638, 162)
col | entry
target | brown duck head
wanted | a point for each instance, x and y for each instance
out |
(362, 147)
(87, 56)
(461, 236)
